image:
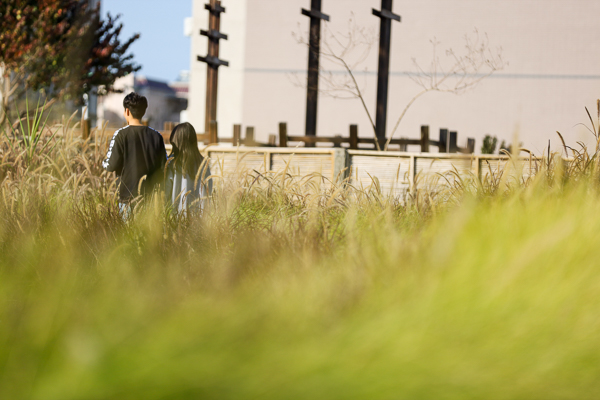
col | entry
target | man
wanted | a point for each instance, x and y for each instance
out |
(135, 151)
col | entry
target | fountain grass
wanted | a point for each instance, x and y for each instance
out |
(279, 290)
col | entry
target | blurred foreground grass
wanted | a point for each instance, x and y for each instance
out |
(272, 295)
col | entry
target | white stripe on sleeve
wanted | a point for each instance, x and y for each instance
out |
(110, 148)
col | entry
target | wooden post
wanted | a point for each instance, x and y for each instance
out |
(336, 143)
(424, 139)
(212, 59)
(283, 135)
(213, 135)
(383, 74)
(443, 143)
(471, 145)
(314, 50)
(249, 141)
(353, 137)
(85, 129)
(272, 140)
(403, 146)
(237, 133)
(452, 139)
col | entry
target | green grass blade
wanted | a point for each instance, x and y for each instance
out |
(43, 125)
(36, 118)
(25, 138)
(27, 113)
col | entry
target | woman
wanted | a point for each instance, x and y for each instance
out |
(187, 184)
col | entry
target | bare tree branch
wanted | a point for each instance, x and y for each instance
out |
(456, 73)
(463, 72)
(337, 49)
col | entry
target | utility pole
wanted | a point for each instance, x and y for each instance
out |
(314, 49)
(383, 75)
(212, 60)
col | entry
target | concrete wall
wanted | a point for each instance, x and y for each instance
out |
(550, 46)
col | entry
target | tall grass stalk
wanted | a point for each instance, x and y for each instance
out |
(289, 287)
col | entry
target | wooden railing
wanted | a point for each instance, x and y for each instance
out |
(446, 143)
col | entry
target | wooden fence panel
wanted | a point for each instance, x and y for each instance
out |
(228, 164)
(397, 173)
(391, 173)
(231, 163)
(299, 165)
(434, 171)
(522, 168)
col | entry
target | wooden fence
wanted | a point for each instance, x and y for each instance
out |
(446, 143)
(398, 172)
(229, 163)
(395, 173)
(392, 172)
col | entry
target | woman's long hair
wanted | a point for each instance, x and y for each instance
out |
(185, 153)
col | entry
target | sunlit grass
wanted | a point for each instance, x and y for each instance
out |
(281, 292)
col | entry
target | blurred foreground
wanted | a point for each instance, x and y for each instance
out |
(488, 290)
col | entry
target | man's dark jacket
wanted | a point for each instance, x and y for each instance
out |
(135, 152)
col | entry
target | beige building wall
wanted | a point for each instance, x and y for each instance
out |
(550, 46)
(110, 107)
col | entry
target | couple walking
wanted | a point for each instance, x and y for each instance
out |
(137, 154)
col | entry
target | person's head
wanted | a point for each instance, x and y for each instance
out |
(187, 157)
(134, 106)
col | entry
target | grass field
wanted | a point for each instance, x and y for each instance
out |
(275, 293)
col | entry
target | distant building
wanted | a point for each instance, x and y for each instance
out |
(550, 47)
(166, 101)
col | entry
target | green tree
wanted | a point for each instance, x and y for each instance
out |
(489, 144)
(60, 46)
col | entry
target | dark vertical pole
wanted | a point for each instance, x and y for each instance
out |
(249, 141)
(403, 146)
(471, 145)
(213, 135)
(237, 133)
(353, 137)
(385, 36)
(212, 60)
(424, 139)
(443, 143)
(312, 86)
(452, 139)
(337, 141)
(314, 48)
(283, 136)
(212, 71)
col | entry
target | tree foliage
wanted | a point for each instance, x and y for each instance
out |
(60, 46)
(108, 60)
(489, 144)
